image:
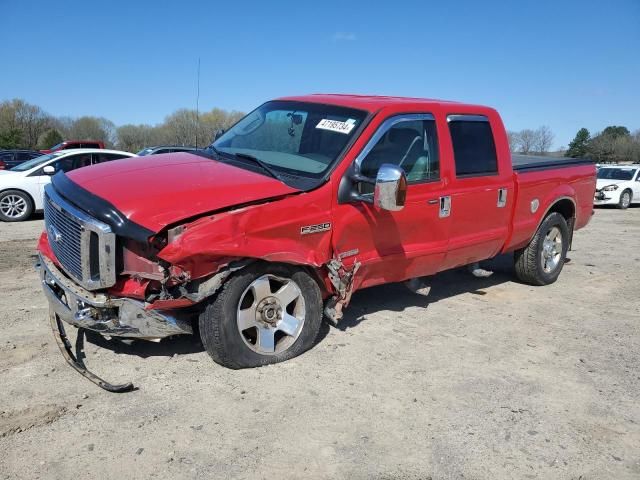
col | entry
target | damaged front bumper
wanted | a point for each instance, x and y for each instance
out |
(117, 317)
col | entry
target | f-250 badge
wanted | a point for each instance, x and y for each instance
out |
(320, 227)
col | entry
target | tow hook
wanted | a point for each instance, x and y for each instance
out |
(342, 281)
(76, 360)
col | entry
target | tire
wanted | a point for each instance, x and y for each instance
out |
(540, 263)
(625, 200)
(15, 206)
(238, 325)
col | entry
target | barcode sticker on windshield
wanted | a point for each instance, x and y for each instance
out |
(336, 125)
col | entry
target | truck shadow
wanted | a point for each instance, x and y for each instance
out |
(168, 347)
(394, 297)
(397, 298)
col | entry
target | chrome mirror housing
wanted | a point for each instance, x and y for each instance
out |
(391, 188)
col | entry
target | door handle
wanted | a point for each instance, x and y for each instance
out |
(445, 207)
(502, 197)
(433, 201)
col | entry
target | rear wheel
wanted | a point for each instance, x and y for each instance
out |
(262, 315)
(540, 262)
(625, 200)
(15, 206)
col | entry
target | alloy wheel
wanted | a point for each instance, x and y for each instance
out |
(271, 313)
(13, 206)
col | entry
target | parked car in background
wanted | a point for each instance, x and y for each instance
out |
(618, 185)
(22, 187)
(12, 158)
(72, 144)
(164, 149)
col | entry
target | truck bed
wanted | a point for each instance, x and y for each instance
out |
(523, 163)
(542, 181)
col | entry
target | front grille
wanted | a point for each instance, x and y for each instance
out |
(67, 249)
(84, 246)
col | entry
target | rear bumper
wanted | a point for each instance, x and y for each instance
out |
(118, 317)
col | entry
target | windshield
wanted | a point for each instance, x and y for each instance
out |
(297, 138)
(144, 151)
(56, 147)
(34, 162)
(616, 173)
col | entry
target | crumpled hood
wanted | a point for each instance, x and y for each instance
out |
(158, 190)
(603, 182)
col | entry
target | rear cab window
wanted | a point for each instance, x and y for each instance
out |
(474, 149)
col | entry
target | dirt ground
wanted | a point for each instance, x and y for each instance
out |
(485, 379)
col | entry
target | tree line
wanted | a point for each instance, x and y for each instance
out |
(23, 125)
(614, 144)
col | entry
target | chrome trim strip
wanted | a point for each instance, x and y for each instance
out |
(106, 244)
(467, 118)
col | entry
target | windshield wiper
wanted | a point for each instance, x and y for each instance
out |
(260, 163)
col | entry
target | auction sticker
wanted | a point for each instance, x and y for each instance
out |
(336, 125)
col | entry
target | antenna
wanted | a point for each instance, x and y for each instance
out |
(198, 104)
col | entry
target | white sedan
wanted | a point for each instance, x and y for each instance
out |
(22, 187)
(618, 185)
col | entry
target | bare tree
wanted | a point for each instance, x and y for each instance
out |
(527, 139)
(543, 140)
(514, 140)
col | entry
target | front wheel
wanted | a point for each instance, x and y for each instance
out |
(262, 315)
(540, 262)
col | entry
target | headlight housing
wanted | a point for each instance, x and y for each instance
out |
(610, 188)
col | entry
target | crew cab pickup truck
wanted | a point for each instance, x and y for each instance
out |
(304, 201)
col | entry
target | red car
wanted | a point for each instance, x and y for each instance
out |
(304, 201)
(68, 144)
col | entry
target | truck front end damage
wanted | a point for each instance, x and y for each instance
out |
(102, 313)
(116, 286)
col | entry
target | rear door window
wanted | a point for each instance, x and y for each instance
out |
(473, 145)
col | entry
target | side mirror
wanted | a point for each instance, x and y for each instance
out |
(391, 188)
(49, 170)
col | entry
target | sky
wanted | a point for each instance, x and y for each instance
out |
(563, 63)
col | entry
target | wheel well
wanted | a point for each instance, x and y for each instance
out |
(21, 191)
(564, 207)
(314, 272)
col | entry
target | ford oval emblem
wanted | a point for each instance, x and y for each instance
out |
(54, 234)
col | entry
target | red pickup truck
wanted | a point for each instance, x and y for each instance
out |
(304, 201)
(69, 144)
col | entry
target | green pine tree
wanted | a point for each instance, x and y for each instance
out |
(579, 145)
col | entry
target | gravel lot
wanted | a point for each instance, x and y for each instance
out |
(484, 379)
